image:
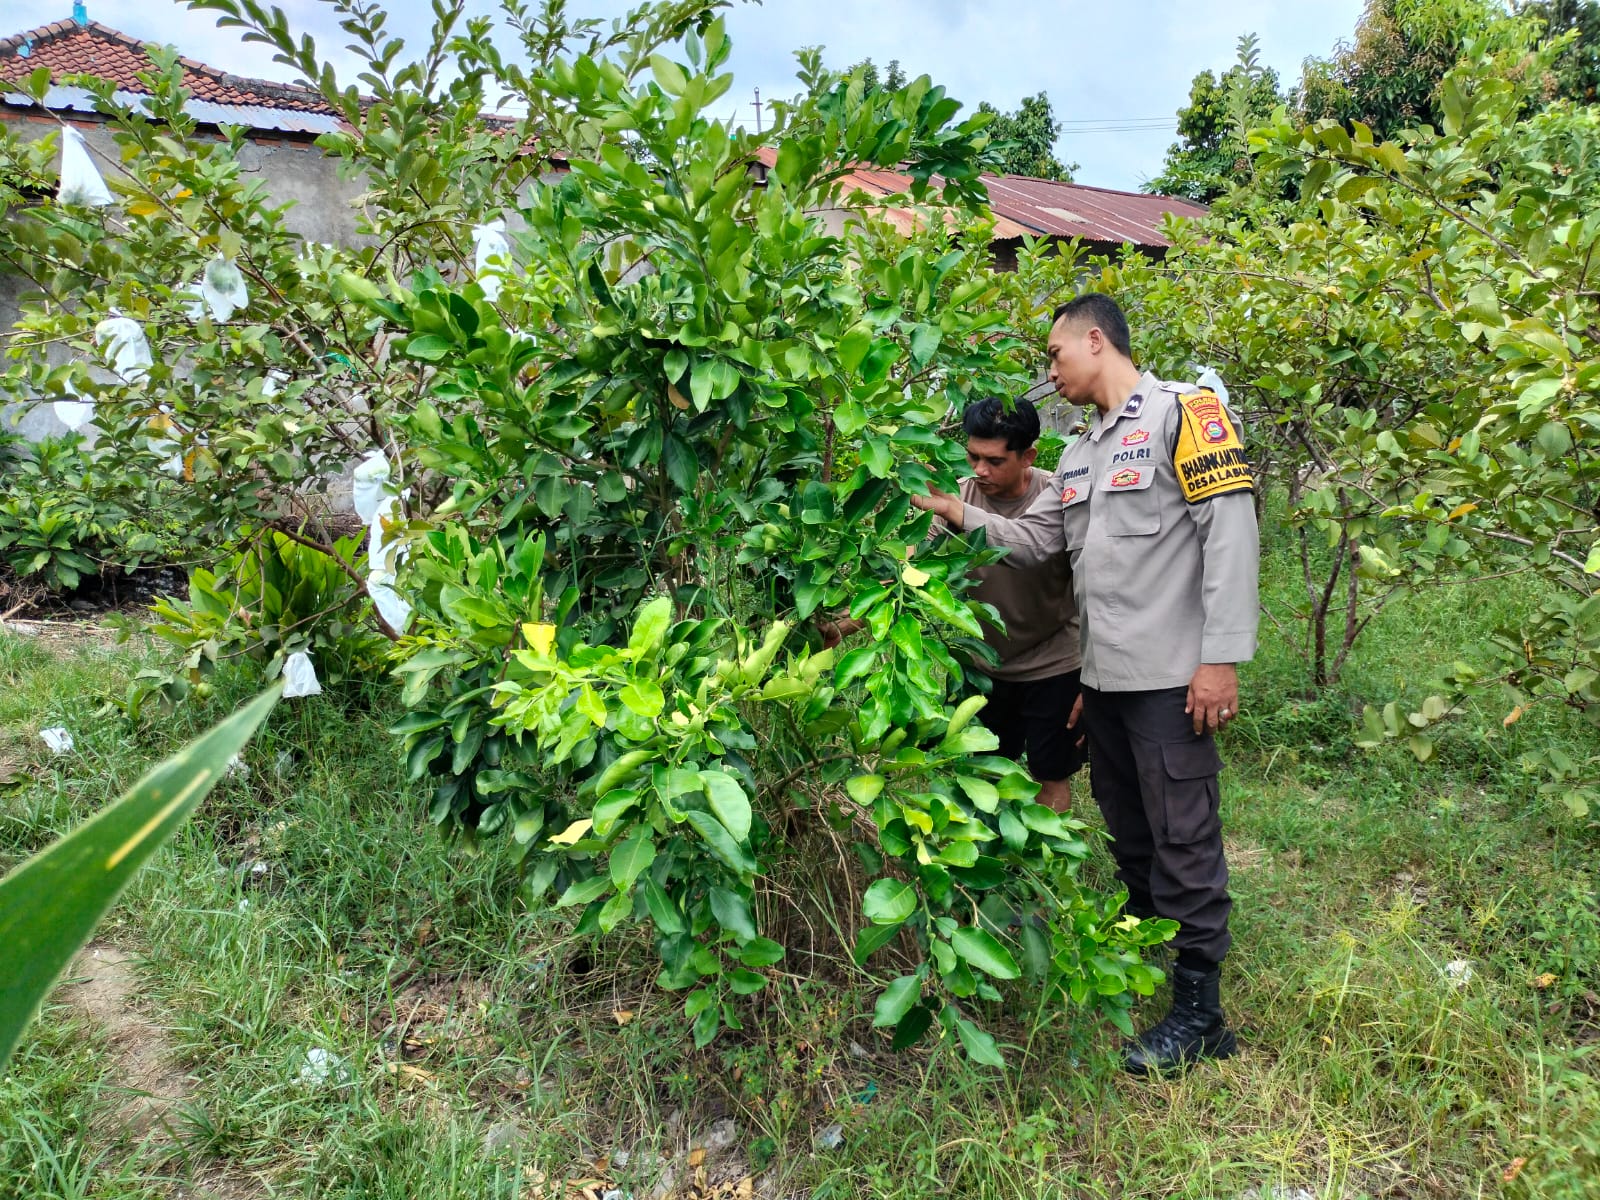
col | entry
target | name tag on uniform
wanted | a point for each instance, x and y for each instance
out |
(1075, 485)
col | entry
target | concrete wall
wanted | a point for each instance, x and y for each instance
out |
(294, 170)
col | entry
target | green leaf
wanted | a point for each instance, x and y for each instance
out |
(759, 952)
(614, 909)
(980, 1046)
(871, 939)
(1483, 306)
(662, 910)
(983, 951)
(864, 789)
(896, 1001)
(429, 348)
(50, 904)
(720, 842)
(983, 794)
(584, 891)
(650, 627)
(632, 856)
(911, 1028)
(729, 802)
(643, 696)
(732, 912)
(853, 348)
(889, 902)
(668, 74)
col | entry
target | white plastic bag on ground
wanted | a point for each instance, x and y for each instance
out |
(322, 1067)
(300, 677)
(492, 258)
(130, 349)
(81, 182)
(58, 739)
(1211, 380)
(222, 288)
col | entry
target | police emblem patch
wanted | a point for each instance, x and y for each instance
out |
(1209, 458)
(1068, 495)
(1125, 478)
(1137, 438)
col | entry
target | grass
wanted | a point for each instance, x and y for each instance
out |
(307, 909)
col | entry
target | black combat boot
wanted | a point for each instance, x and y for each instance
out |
(1192, 1030)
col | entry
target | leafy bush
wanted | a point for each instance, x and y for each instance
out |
(65, 518)
(268, 600)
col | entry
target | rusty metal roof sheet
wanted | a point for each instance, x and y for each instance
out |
(1094, 214)
(1040, 207)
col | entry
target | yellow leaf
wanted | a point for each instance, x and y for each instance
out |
(679, 401)
(143, 208)
(572, 833)
(622, 1016)
(540, 637)
(408, 1076)
(697, 1156)
(1547, 980)
(1461, 510)
(1513, 717)
(912, 576)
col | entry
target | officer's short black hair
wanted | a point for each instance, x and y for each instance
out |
(1093, 308)
(990, 418)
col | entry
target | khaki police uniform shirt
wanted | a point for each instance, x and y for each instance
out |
(1154, 506)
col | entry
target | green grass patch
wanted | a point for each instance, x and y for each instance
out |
(484, 1051)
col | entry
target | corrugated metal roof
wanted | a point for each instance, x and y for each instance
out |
(1094, 214)
(1041, 207)
(252, 116)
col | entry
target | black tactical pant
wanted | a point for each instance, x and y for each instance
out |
(1156, 784)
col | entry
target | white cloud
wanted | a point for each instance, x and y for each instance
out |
(1098, 61)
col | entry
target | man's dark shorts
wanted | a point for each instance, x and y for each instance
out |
(1030, 719)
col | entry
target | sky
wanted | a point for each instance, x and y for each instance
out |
(1103, 63)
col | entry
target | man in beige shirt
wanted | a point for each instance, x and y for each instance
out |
(1036, 684)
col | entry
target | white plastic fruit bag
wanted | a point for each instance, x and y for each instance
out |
(299, 676)
(130, 349)
(492, 258)
(223, 289)
(81, 182)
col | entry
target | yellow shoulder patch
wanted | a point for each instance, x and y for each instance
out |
(1209, 459)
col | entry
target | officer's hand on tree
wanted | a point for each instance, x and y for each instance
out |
(1213, 696)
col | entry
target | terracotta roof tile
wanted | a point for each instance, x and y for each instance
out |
(96, 49)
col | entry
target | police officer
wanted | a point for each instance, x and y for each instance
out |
(1153, 505)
